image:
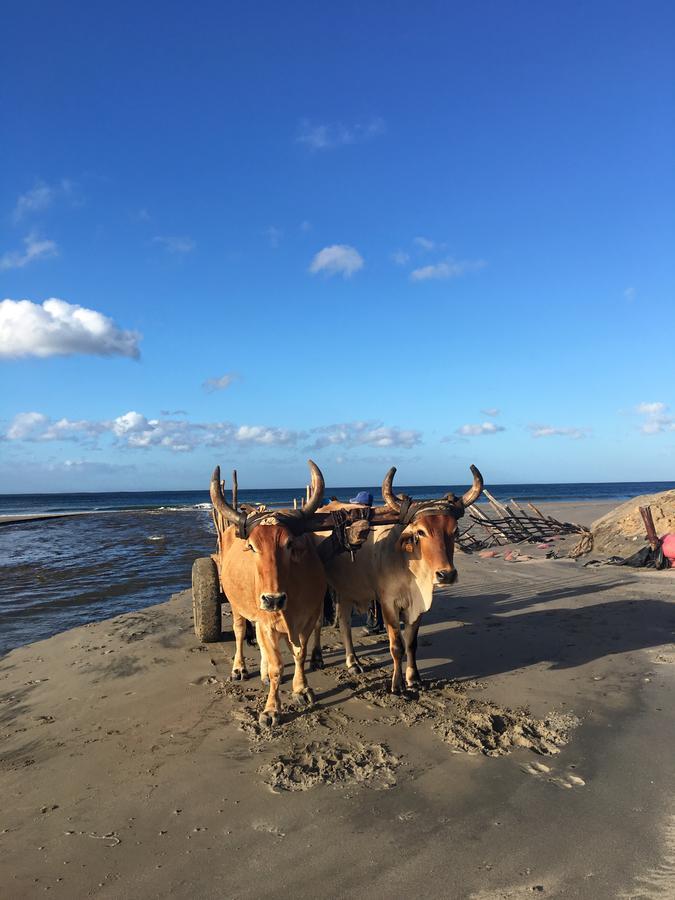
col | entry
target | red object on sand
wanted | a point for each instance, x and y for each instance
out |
(668, 546)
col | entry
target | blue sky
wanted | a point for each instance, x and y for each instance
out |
(423, 234)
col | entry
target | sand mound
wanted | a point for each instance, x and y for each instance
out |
(621, 532)
(332, 762)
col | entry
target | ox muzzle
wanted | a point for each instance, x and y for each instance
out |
(273, 602)
(445, 576)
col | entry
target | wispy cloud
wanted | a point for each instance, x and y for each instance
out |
(630, 294)
(39, 198)
(448, 268)
(400, 257)
(328, 136)
(424, 243)
(35, 248)
(176, 245)
(57, 328)
(657, 417)
(542, 431)
(473, 430)
(273, 235)
(338, 259)
(491, 411)
(359, 434)
(220, 383)
(306, 225)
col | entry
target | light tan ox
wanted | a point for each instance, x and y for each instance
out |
(271, 574)
(400, 565)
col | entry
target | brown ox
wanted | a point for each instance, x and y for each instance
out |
(272, 576)
(400, 565)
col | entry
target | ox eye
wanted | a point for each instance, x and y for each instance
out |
(421, 534)
(250, 546)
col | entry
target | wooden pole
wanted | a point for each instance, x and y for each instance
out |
(652, 537)
(235, 489)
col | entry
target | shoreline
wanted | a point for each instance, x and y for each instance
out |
(561, 506)
(129, 768)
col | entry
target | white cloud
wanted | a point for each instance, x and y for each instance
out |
(539, 431)
(400, 257)
(263, 434)
(176, 245)
(448, 268)
(657, 417)
(219, 384)
(491, 411)
(134, 431)
(424, 243)
(25, 425)
(651, 409)
(35, 248)
(372, 434)
(338, 259)
(39, 198)
(34, 426)
(483, 428)
(329, 136)
(57, 328)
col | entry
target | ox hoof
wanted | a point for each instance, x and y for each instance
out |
(355, 669)
(265, 680)
(415, 684)
(316, 661)
(239, 675)
(396, 689)
(304, 698)
(267, 719)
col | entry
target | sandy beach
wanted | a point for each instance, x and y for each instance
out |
(539, 760)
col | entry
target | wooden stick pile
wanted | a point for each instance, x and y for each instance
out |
(510, 524)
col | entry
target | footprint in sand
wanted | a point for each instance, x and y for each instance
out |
(567, 780)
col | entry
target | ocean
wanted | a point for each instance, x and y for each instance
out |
(58, 573)
(20, 504)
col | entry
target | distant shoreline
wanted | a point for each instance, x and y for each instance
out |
(583, 512)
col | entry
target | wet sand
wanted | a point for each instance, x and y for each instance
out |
(130, 767)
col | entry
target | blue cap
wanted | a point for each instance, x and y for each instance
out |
(363, 498)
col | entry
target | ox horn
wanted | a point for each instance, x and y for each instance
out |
(390, 498)
(316, 490)
(475, 490)
(229, 513)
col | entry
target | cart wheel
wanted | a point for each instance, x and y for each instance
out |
(206, 600)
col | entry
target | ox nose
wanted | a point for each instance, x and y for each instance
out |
(446, 576)
(272, 602)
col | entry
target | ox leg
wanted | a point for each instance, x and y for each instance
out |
(316, 659)
(271, 713)
(302, 692)
(351, 661)
(395, 646)
(239, 670)
(412, 676)
(264, 664)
